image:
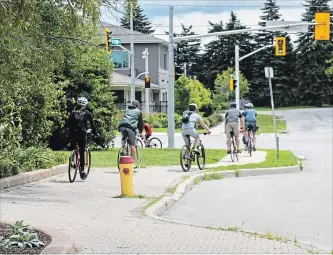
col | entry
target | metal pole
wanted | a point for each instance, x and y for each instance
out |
(171, 116)
(147, 90)
(237, 74)
(132, 56)
(274, 122)
(185, 69)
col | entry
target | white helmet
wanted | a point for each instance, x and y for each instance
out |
(82, 101)
(192, 107)
(250, 105)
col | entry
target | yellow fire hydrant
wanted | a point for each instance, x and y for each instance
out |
(126, 164)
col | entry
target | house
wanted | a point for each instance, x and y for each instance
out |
(157, 67)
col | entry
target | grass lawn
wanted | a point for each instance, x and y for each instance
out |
(265, 123)
(286, 158)
(151, 157)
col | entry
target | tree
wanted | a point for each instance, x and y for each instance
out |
(314, 86)
(190, 91)
(141, 22)
(283, 67)
(222, 93)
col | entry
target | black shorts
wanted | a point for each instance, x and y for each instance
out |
(252, 125)
(128, 134)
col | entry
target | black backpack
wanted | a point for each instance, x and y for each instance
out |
(186, 116)
(79, 119)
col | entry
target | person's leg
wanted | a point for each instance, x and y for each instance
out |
(131, 142)
(235, 128)
(254, 130)
(82, 146)
(228, 129)
(123, 136)
(185, 138)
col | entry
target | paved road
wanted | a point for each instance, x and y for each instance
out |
(291, 205)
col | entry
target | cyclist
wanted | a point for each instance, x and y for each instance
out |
(243, 138)
(128, 126)
(232, 117)
(250, 119)
(78, 127)
(147, 129)
(190, 118)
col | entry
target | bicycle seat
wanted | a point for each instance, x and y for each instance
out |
(188, 136)
(232, 133)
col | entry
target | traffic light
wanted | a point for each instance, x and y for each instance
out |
(147, 82)
(322, 30)
(280, 46)
(232, 84)
(107, 40)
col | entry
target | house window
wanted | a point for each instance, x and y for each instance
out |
(164, 61)
(120, 59)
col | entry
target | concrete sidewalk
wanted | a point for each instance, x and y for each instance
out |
(101, 223)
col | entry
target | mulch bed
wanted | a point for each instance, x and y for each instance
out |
(5, 231)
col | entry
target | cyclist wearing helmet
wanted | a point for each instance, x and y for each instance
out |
(77, 127)
(128, 126)
(243, 138)
(190, 118)
(232, 117)
(250, 119)
(147, 129)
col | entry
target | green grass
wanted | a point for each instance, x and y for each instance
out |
(265, 123)
(151, 157)
(286, 158)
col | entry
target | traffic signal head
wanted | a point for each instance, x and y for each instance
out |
(231, 84)
(107, 40)
(280, 46)
(322, 29)
(147, 82)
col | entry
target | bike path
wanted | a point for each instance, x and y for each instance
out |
(101, 223)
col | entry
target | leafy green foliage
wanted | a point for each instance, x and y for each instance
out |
(21, 236)
(222, 93)
(190, 91)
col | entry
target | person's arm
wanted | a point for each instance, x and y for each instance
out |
(71, 126)
(140, 123)
(203, 124)
(256, 119)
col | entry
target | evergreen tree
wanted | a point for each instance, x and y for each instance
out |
(314, 86)
(283, 66)
(187, 52)
(141, 22)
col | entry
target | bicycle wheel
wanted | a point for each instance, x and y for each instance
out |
(72, 168)
(249, 146)
(232, 150)
(89, 161)
(138, 160)
(123, 151)
(201, 159)
(155, 143)
(185, 158)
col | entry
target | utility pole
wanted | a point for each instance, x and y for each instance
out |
(171, 108)
(185, 69)
(132, 55)
(237, 74)
(145, 56)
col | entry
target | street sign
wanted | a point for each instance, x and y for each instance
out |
(269, 72)
(299, 28)
(115, 41)
(322, 30)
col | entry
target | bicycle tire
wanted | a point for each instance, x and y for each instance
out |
(138, 161)
(123, 151)
(232, 151)
(184, 151)
(89, 162)
(156, 141)
(71, 159)
(249, 146)
(203, 155)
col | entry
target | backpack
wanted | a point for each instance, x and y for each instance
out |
(186, 117)
(79, 119)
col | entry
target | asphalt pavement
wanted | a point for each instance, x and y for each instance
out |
(294, 205)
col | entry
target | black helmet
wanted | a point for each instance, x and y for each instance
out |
(233, 104)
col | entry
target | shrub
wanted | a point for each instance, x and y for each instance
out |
(156, 124)
(213, 120)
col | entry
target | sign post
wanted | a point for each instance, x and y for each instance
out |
(270, 74)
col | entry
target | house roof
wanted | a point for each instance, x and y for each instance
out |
(124, 35)
(123, 80)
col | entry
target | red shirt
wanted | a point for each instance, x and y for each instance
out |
(147, 128)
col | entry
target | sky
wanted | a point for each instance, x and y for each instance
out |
(198, 13)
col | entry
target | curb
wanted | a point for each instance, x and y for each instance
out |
(168, 200)
(61, 243)
(32, 176)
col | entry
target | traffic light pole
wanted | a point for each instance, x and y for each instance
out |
(132, 95)
(147, 89)
(237, 60)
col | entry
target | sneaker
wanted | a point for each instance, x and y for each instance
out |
(186, 165)
(83, 175)
(254, 148)
(239, 151)
(196, 151)
(229, 151)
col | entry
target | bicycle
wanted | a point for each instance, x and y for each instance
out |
(74, 159)
(187, 155)
(126, 151)
(250, 139)
(152, 142)
(233, 148)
